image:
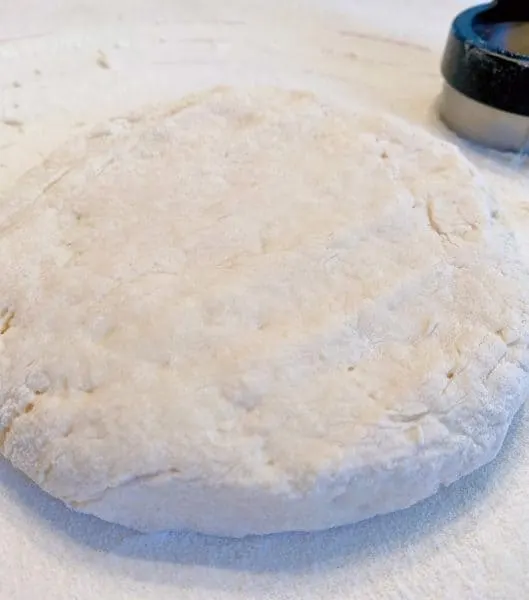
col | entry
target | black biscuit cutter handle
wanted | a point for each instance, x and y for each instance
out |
(486, 72)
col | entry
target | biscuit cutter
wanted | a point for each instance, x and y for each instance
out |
(486, 71)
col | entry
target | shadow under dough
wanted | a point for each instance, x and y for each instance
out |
(281, 553)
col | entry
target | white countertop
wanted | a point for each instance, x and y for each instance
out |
(472, 540)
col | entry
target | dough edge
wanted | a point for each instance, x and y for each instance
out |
(147, 503)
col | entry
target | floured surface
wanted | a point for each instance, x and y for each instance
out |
(255, 312)
(470, 541)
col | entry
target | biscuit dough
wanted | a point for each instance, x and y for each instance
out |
(256, 312)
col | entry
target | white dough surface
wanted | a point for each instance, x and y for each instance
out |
(253, 312)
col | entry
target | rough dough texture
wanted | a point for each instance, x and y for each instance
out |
(256, 312)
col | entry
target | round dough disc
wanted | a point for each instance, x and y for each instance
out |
(255, 312)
